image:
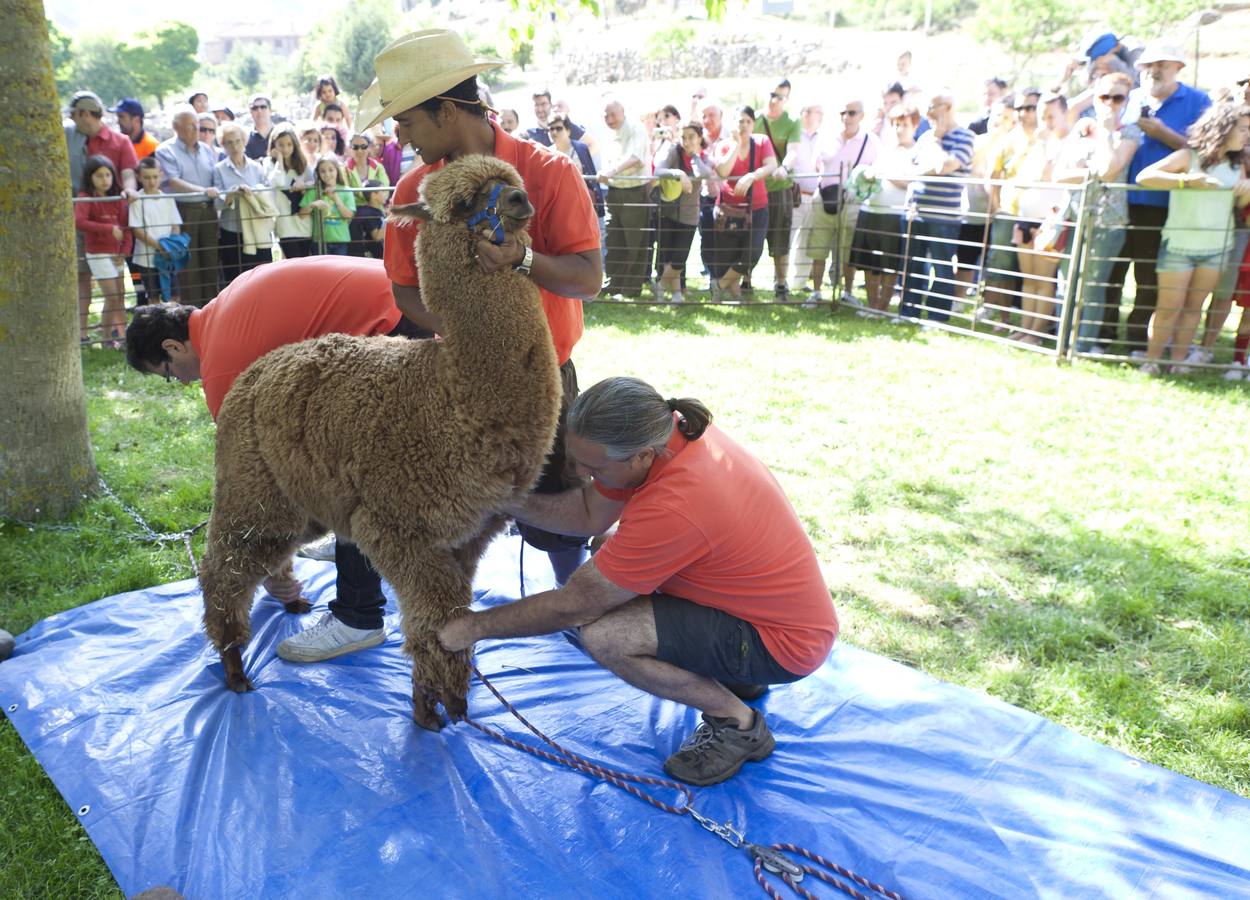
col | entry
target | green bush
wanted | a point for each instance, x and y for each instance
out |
(668, 42)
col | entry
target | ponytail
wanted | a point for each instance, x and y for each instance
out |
(695, 417)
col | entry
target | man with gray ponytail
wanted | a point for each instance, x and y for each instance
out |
(707, 592)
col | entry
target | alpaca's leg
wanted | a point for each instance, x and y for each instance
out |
(470, 552)
(431, 585)
(232, 568)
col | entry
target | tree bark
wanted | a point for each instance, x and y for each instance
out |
(46, 465)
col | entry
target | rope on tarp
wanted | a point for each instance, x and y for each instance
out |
(771, 858)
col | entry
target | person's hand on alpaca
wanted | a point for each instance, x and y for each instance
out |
(496, 257)
(457, 634)
(288, 590)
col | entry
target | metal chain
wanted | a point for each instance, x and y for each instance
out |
(770, 858)
(149, 535)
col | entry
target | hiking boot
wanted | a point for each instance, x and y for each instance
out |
(747, 692)
(328, 638)
(717, 750)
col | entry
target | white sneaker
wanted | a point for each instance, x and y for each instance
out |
(1181, 370)
(328, 638)
(1199, 356)
(813, 298)
(1149, 369)
(1137, 354)
(678, 298)
(1236, 373)
(851, 300)
(321, 549)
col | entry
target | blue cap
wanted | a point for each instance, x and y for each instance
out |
(129, 105)
(1100, 45)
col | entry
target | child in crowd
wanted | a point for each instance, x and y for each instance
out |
(288, 170)
(152, 217)
(369, 223)
(106, 236)
(331, 206)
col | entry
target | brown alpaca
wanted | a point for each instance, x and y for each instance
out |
(407, 448)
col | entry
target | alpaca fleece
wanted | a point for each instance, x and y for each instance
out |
(409, 449)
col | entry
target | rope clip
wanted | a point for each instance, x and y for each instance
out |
(725, 832)
(774, 861)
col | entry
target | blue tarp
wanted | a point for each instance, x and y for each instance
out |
(319, 785)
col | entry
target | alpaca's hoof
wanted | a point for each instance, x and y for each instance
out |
(239, 683)
(425, 714)
(298, 607)
(236, 680)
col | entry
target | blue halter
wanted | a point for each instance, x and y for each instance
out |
(490, 215)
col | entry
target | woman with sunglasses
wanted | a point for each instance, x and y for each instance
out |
(361, 165)
(561, 132)
(1102, 148)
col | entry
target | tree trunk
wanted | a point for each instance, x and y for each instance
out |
(46, 466)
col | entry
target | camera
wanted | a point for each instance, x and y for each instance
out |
(663, 131)
(1145, 111)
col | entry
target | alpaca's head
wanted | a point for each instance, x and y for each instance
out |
(483, 194)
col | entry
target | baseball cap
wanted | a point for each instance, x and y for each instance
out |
(129, 105)
(1160, 53)
(225, 109)
(1099, 45)
(87, 100)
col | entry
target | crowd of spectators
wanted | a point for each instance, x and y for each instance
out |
(945, 215)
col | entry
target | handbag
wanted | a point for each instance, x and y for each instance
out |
(796, 195)
(831, 194)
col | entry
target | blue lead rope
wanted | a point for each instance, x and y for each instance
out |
(490, 215)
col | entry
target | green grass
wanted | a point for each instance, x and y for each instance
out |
(1068, 539)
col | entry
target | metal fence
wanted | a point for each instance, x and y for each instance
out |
(1053, 284)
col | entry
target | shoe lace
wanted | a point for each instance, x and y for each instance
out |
(701, 741)
(324, 624)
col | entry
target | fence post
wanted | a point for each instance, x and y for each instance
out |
(1069, 317)
(836, 274)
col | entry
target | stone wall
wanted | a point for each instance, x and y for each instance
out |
(738, 60)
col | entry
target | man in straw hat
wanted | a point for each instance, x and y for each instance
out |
(427, 83)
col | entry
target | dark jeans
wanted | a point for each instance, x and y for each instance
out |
(150, 278)
(707, 237)
(335, 249)
(1141, 246)
(931, 250)
(674, 244)
(234, 261)
(295, 248)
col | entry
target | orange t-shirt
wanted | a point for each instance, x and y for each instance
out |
(564, 222)
(711, 525)
(283, 303)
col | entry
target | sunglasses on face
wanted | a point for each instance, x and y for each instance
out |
(849, 112)
(775, 96)
(554, 128)
(360, 146)
(1032, 108)
(1113, 98)
(206, 130)
(259, 106)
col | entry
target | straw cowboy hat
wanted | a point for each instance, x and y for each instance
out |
(417, 67)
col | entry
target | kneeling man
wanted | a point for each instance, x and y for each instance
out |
(708, 590)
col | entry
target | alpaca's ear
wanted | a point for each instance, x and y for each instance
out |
(410, 213)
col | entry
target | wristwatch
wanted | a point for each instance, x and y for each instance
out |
(526, 263)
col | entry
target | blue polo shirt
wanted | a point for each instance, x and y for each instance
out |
(1178, 112)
